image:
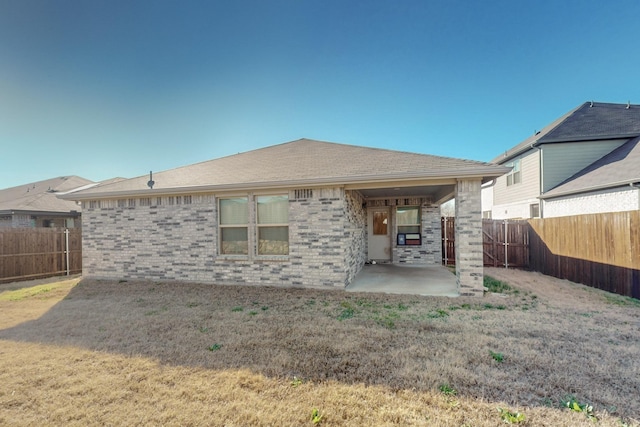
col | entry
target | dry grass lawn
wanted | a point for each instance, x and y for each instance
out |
(142, 353)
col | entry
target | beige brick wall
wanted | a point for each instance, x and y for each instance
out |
(469, 263)
(176, 238)
(171, 241)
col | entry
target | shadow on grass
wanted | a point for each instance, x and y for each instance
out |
(400, 342)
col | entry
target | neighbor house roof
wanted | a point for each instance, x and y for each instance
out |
(618, 168)
(587, 122)
(41, 196)
(297, 163)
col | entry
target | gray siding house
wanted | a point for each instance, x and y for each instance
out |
(303, 213)
(554, 172)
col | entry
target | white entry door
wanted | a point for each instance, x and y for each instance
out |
(379, 234)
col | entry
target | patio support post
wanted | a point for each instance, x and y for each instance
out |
(468, 238)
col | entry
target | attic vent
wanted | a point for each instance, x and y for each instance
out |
(306, 193)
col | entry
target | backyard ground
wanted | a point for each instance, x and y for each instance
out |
(83, 352)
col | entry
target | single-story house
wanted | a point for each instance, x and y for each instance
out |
(36, 204)
(303, 213)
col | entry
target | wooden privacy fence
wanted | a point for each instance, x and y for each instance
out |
(31, 253)
(598, 250)
(505, 243)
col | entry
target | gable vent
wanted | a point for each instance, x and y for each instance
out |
(306, 193)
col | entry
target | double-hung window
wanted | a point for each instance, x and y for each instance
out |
(513, 177)
(272, 224)
(234, 226)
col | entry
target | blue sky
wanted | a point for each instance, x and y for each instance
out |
(117, 88)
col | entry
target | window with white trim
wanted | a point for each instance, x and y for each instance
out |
(514, 177)
(272, 224)
(234, 226)
(534, 210)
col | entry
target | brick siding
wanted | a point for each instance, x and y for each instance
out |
(469, 263)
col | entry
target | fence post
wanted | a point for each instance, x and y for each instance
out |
(66, 247)
(446, 246)
(506, 244)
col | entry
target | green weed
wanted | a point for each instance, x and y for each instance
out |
(621, 300)
(237, 309)
(496, 286)
(316, 416)
(438, 314)
(447, 390)
(498, 357)
(214, 347)
(574, 405)
(511, 417)
(345, 314)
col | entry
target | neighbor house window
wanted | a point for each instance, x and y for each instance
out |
(534, 210)
(513, 177)
(272, 224)
(408, 219)
(234, 226)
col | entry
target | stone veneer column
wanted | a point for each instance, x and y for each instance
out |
(468, 238)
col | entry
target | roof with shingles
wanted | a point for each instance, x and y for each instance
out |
(299, 162)
(587, 122)
(41, 196)
(618, 168)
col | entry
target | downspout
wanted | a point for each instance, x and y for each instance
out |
(540, 178)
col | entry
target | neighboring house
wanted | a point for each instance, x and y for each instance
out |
(587, 161)
(37, 205)
(304, 213)
(611, 183)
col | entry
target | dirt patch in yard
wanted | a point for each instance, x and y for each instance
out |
(104, 352)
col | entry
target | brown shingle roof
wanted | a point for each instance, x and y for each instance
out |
(300, 162)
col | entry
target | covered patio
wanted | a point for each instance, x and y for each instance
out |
(426, 280)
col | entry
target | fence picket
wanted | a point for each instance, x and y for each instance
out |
(39, 252)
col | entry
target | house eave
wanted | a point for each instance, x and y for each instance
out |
(543, 141)
(617, 184)
(587, 138)
(407, 179)
(40, 213)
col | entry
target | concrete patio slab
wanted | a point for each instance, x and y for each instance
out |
(405, 279)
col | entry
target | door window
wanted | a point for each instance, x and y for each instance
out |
(380, 223)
